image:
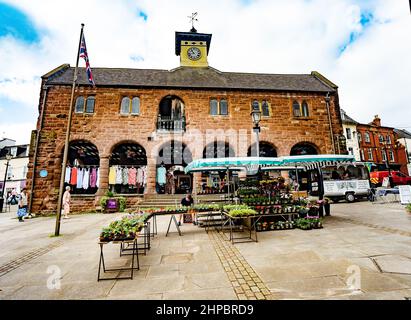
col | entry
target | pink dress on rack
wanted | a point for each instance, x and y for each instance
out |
(132, 176)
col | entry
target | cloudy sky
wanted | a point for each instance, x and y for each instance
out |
(363, 46)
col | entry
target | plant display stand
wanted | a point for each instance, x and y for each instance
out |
(134, 258)
(173, 219)
(145, 234)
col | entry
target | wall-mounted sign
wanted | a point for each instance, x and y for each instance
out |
(43, 173)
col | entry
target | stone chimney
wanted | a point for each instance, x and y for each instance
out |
(377, 121)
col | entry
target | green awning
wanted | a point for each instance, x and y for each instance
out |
(251, 163)
(230, 163)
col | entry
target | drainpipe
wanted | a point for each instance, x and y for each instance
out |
(327, 102)
(45, 90)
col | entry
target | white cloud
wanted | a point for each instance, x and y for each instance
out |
(20, 132)
(295, 36)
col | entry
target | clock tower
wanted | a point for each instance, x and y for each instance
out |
(193, 47)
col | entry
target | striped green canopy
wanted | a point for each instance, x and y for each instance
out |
(232, 163)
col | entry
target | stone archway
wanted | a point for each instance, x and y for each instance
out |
(171, 114)
(83, 165)
(173, 157)
(266, 150)
(304, 148)
(128, 168)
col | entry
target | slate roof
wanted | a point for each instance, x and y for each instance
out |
(403, 133)
(198, 78)
(346, 118)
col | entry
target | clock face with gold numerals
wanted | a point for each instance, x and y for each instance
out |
(193, 53)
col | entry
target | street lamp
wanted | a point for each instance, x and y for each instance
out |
(256, 117)
(8, 158)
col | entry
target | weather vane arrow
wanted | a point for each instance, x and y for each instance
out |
(192, 19)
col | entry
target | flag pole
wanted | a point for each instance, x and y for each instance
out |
(66, 143)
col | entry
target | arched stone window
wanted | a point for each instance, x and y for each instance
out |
(303, 148)
(304, 109)
(266, 150)
(296, 109)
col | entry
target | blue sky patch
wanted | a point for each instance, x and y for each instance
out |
(15, 23)
(143, 15)
(366, 19)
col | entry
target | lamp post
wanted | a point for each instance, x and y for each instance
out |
(327, 103)
(8, 158)
(256, 117)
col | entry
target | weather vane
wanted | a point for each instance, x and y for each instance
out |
(192, 19)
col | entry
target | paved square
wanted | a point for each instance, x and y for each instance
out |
(363, 252)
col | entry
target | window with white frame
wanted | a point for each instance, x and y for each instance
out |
(130, 106)
(85, 105)
(388, 139)
(370, 157)
(367, 137)
(362, 155)
(384, 155)
(391, 155)
(348, 132)
(218, 107)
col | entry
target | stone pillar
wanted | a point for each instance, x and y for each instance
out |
(151, 176)
(103, 183)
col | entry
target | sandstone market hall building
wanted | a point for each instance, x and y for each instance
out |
(136, 129)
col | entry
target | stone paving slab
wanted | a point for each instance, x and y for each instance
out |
(289, 264)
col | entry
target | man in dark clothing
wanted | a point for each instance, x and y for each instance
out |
(187, 201)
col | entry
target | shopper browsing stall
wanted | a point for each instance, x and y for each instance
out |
(187, 201)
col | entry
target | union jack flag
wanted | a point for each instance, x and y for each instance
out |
(83, 54)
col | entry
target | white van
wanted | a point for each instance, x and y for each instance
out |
(349, 181)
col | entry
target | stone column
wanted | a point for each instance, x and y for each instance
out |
(103, 171)
(151, 176)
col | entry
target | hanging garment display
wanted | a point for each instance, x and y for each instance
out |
(119, 175)
(79, 178)
(112, 175)
(67, 175)
(124, 176)
(73, 177)
(144, 176)
(98, 178)
(93, 177)
(132, 176)
(161, 175)
(140, 176)
(86, 178)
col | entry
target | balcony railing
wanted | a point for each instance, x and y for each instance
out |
(165, 123)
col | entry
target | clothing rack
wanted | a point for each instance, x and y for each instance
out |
(84, 166)
(129, 165)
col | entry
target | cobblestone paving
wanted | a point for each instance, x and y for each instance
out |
(375, 226)
(245, 281)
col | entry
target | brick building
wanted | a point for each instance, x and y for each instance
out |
(146, 120)
(379, 144)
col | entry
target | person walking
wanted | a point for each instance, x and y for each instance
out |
(22, 210)
(66, 202)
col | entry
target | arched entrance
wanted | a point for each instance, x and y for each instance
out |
(128, 169)
(218, 149)
(83, 166)
(171, 115)
(213, 182)
(173, 157)
(303, 148)
(266, 150)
